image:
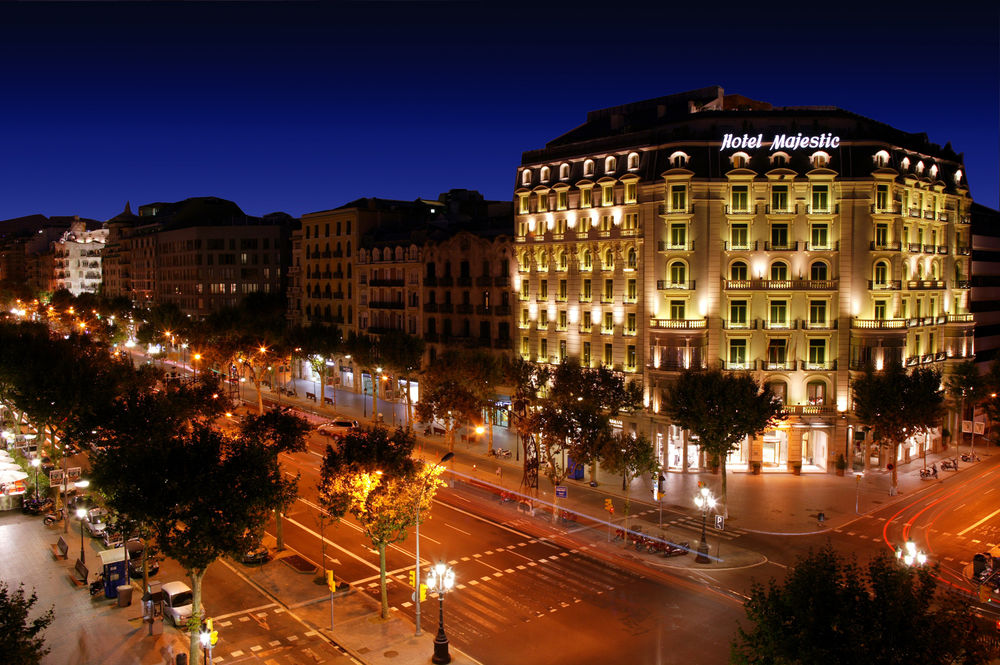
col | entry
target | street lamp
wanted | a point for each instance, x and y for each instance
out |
(704, 500)
(195, 358)
(910, 555)
(205, 638)
(36, 462)
(441, 580)
(416, 574)
(80, 514)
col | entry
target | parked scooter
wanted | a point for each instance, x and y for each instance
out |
(950, 464)
(929, 473)
(970, 457)
(37, 507)
(97, 586)
(53, 518)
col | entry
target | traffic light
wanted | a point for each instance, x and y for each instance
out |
(423, 592)
(609, 506)
(330, 581)
(213, 635)
(413, 579)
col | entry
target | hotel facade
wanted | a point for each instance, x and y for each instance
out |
(699, 229)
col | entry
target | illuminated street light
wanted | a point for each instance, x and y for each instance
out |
(441, 580)
(36, 462)
(910, 555)
(704, 500)
(416, 575)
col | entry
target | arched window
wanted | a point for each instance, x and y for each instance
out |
(588, 168)
(935, 271)
(818, 270)
(958, 176)
(563, 171)
(739, 160)
(588, 261)
(544, 177)
(609, 260)
(678, 272)
(525, 261)
(779, 271)
(933, 171)
(905, 163)
(920, 271)
(679, 159)
(779, 158)
(881, 159)
(820, 159)
(610, 165)
(526, 177)
(563, 260)
(633, 161)
(919, 168)
(543, 260)
(779, 388)
(816, 392)
(738, 270)
(633, 258)
(881, 274)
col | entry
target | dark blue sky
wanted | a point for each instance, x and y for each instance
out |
(302, 107)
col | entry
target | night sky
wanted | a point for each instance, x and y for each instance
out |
(303, 107)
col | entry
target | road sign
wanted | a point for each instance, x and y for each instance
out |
(720, 522)
(967, 426)
(979, 427)
(561, 492)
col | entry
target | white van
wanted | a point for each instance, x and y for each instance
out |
(178, 602)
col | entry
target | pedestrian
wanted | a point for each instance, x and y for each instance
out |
(934, 470)
(499, 474)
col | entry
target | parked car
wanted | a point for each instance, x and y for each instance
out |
(95, 522)
(256, 556)
(338, 427)
(111, 537)
(178, 602)
(135, 547)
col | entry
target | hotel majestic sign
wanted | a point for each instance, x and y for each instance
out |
(779, 142)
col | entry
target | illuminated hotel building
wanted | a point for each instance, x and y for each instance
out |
(702, 228)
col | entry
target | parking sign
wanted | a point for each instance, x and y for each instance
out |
(561, 491)
(720, 522)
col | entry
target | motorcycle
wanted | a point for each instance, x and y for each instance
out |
(970, 457)
(97, 586)
(53, 518)
(950, 464)
(927, 474)
(500, 453)
(36, 507)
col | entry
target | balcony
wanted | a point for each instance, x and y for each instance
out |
(464, 280)
(889, 285)
(484, 280)
(746, 366)
(893, 209)
(431, 307)
(780, 284)
(964, 219)
(665, 246)
(878, 324)
(773, 210)
(484, 310)
(431, 337)
(942, 249)
(809, 410)
(930, 214)
(386, 282)
(678, 324)
(463, 308)
(925, 284)
(914, 212)
(386, 304)
(664, 209)
(748, 246)
(674, 365)
(784, 366)
(739, 325)
(963, 250)
(943, 216)
(828, 209)
(740, 210)
(960, 318)
(819, 325)
(779, 325)
(446, 308)
(963, 284)
(503, 343)
(668, 285)
(503, 280)
(433, 281)
(886, 246)
(446, 281)
(823, 247)
(914, 247)
(827, 366)
(930, 249)
(789, 246)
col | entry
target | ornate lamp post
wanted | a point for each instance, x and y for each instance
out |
(80, 514)
(416, 575)
(704, 500)
(441, 580)
(36, 462)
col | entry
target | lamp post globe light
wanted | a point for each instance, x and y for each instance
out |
(416, 573)
(80, 514)
(441, 580)
(704, 501)
(36, 462)
(909, 555)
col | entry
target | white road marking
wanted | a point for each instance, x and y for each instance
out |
(330, 542)
(249, 611)
(979, 522)
(457, 529)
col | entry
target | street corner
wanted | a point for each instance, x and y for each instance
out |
(720, 557)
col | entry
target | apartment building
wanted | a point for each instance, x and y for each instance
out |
(77, 258)
(701, 228)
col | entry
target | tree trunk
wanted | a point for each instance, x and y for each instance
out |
(196, 618)
(489, 424)
(628, 504)
(725, 501)
(593, 472)
(279, 531)
(408, 415)
(895, 455)
(260, 395)
(322, 387)
(381, 581)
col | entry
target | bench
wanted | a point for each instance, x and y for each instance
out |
(80, 569)
(311, 396)
(60, 549)
(328, 400)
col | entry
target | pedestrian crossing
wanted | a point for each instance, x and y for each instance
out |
(691, 523)
(515, 584)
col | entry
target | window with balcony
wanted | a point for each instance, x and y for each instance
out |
(817, 312)
(586, 354)
(738, 271)
(678, 235)
(738, 313)
(562, 290)
(779, 198)
(563, 320)
(881, 198)
(522, 204)
(738, 352)
(818, 271)
(543, 201)
(563, 260)
(543, 260)
(543, 350)
(607, 223)
(739, 236)
(880, 309)
(524, 289)
(779, 236)
(525, 347)
(779, 271)
(588, 261)
(543, 319)
(630, 324)
(777, 352)
(562, 350)
(607, 194)
(816, 393)
(630, 222)
(678, 273)
(820, 236)
(817, 351)
(543, 289)
(821, 198)
(586, 295)
(630, 357)
(631, 191)
(609, 260)
(739, 198)
(779, 313)
(677, 310)
(609, 323)
(881, 235)
(525, 318)
(608, 355)
(881, 273)
(678, 198)
(630, 291)
(609, 291)
(632, 259)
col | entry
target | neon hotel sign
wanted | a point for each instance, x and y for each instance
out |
(779, 142)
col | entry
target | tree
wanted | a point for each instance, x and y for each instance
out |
(630, 456)
(366, 354)
(722, 409)
(372, 476)
(316, 344)
(204, 493)
(448, 394)
(21, 642)
(966, 387)
(897, 405)
(401, 355)
(828, 610)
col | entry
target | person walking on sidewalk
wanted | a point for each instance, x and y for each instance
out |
(499, 475)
